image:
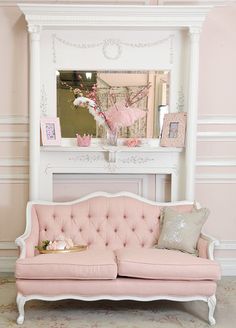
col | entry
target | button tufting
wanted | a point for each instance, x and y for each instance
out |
(125, 216)
(133, 229)
(106, 244)
(72, 216)
(124, 244)
(107, 216)
(62, 230)
(80, 229)
(45, 229)
(143, 217)
(98, 230)
(151, 230)
(142, 244)
(89, 216)
(115, 230)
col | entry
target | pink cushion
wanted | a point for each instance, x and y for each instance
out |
(90, 264)
(165, 264)
(120, 287)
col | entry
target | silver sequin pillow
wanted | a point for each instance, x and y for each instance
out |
(180, 231)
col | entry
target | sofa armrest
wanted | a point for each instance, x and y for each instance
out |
(206, 245)
(29, 239)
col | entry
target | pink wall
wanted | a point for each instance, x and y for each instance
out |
(217, 63)
(215, 185)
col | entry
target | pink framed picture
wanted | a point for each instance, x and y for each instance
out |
(50, 131)
(173, 131)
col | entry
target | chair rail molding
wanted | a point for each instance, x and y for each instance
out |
(215, 136)
(10, 178)
(216, 178)
(217, 120)
(173, 33)
(14, 136)
(13, 119)
(216, 162)
(13, 162)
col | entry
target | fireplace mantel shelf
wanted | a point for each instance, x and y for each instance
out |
(142, 149)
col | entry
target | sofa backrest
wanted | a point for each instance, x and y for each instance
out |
(102, 222)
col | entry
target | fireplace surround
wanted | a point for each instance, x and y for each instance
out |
(113, 37)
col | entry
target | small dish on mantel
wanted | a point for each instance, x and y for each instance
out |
(77, 248)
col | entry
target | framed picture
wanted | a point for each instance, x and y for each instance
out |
(50, 131)
(173, 130)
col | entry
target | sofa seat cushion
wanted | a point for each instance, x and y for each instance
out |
(164, 264)
(89, 264)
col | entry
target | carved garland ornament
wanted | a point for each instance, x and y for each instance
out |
(43, 102)
(88, 158)
(112, 48)
(134, 159)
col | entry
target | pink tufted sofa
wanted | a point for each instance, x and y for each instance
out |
(120, 263)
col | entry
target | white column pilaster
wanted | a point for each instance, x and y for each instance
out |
(34, 111)
(191, 135)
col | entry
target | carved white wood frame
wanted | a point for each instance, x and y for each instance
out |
(20, 241)
(21, 300)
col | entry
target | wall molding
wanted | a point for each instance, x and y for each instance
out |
(216, 136)
(7, 264)
(216, 178)
(226, 245)
(13, 162)
(13, 119)
(14, 136)
(215, 162)
(217, 119)
(14, 178)
(7, 245)
(228, 266)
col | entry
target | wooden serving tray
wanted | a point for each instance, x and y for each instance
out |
(77, 248)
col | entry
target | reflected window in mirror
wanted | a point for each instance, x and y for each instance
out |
(109, 88)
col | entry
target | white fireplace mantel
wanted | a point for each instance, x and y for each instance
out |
(137, 34)
(108, 160)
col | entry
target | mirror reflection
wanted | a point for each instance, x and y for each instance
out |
(141, 96)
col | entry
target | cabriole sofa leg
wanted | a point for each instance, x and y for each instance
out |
(20, 300)
(211, 304)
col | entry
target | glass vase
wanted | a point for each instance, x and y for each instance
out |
(112, 136)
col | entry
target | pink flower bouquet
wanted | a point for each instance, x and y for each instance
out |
(132, 142)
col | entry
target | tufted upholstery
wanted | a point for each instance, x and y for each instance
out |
(100, 222)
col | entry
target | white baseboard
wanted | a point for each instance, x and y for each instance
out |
(7, 264)
(228, 266)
